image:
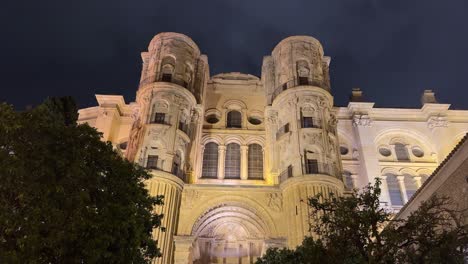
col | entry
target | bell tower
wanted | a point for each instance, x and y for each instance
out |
(301, 128)
(167, 124)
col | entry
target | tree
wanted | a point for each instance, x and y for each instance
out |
(68, 197)
(356, 229)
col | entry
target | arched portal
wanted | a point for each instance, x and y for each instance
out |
(229, 233)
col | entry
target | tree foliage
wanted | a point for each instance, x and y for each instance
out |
(356, 229)
(68, 197)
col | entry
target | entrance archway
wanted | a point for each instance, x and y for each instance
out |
(229, 233)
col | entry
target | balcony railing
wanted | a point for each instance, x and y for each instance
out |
(286, 174)
(179, 173)
(296, 82)
(184, 127)
(158, 78)
(320, 168)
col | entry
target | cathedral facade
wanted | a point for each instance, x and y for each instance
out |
(237, 156)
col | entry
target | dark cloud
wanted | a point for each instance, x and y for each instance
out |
(393, 50)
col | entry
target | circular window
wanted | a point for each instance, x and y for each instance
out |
(385, 152)
(212, 119)
(344, 150)
(255, 120)
(418, 152)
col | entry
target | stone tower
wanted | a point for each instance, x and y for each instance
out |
(166, 123)
(301, 128)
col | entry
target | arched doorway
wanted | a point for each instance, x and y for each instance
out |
(229, 233)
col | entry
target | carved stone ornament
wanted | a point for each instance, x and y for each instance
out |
(157, 133)
(355, 154)
(182, 143)
(275, 201)
(362, 120)
(272, 117)
(195, 116)
(437, 121)
(135, 112)
(189, 198)
(313, 138)
(322, 103)
(332, 122)
(331, 146)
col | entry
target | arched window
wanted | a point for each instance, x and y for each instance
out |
(303, 72)
(167, 69)
(255, 162)
(232, 162)
(210, 161)
(348, 180)
(410, 186)
(234, 119)
(394, 190)
(401, 152)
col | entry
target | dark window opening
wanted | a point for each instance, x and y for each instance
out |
(175, 168)
(311, 166)
(159, 118)
(303, 81)
(234, 119)
(166, 77)
(152, 162)
(210, 161)
(232, 162)
(307, 122)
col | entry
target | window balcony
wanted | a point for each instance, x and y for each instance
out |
(312, 168)
(164, 78)
(297, 82)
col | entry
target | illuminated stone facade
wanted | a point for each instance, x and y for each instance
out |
(236, 156)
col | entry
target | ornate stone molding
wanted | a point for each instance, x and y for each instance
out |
(437, 121)
(362, 120)
(275, 201)
(272, 117)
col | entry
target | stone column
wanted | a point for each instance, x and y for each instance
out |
(183, 249)
(401, 184)
(221, 158)
(417, 179)
(244, 162)
(384, 191)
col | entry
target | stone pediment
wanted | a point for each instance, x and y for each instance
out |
(234, 76)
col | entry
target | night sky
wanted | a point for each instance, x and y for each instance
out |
(391, 49)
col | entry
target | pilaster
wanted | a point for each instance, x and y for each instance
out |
(401, 184)
(221, 158)
(244, 160)
(183, 249)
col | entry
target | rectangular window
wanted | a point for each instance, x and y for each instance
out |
(159, 118)
(166, 77)
(152, 162)
(303, 81)
(311, 166)
(307, 121)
